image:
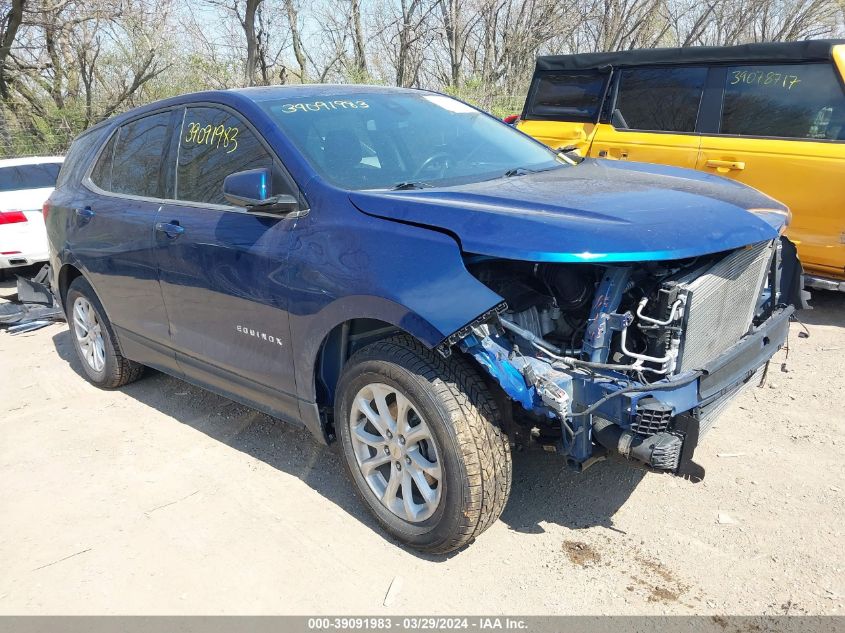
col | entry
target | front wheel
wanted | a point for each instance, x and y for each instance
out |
(422, 441)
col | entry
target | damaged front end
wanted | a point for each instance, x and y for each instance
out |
(636, 359)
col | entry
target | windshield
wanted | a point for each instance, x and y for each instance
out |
(402, 140)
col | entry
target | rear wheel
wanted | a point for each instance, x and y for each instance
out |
(422, 442)
(94, 339)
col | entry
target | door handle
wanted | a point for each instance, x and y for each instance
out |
(85, 213)
(734, 165)
(171, 229)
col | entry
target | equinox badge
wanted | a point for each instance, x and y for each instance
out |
(260, 335)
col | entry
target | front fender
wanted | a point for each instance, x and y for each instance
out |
(410, 277)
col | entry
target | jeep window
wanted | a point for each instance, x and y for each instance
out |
(371, 140)
(137, 156)
(566, 96)
(214, 143)
(29, 176)
(787, 101)
(659, 99)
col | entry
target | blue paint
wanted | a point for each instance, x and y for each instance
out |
(600, 328)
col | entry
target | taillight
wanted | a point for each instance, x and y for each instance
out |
(12, 217)
(45, 209)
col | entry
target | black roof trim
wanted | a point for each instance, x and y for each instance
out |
(810, 50)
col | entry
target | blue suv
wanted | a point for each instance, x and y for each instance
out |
(401, 271)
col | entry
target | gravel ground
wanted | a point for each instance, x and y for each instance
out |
(163, 498)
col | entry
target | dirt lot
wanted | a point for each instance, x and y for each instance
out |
(162, 498)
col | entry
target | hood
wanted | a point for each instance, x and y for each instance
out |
(598, 211)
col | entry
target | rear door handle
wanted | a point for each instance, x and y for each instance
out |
(85, 213)
(734, 165)
(171, 229)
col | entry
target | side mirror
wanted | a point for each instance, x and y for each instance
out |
(251, 188)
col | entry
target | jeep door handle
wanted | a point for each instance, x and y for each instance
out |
(171, 229)
(85, 213)
(733, 165)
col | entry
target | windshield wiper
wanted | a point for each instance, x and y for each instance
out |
(410, 184)
(518, 171)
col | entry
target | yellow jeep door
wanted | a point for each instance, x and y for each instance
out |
(652, 116)
(783, 131)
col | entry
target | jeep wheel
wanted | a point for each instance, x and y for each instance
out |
(423, 444)
(94, 339)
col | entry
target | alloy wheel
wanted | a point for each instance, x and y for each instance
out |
(396, 452)
(89, 334)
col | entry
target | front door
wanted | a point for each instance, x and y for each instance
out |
(653, 116)
(223, 270)
(783, 132)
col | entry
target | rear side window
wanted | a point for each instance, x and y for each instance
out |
(786, 101)
(29, 176)
(102, 172)
(214, 143)
(135, 151)
(76, 161)
(568, 96)
(659, 99)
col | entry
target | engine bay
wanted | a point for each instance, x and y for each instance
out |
(609, 358)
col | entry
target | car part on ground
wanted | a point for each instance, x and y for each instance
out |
(34, 308)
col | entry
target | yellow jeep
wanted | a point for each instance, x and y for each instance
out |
(769, 115)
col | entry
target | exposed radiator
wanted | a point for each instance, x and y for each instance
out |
(720, 304)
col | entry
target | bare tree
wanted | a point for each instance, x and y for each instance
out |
(11, 18)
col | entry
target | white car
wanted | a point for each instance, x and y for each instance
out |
(25, 185)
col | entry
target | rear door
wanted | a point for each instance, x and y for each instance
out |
(111, 235)
(223, 270)
(782, 130)
(652, 115)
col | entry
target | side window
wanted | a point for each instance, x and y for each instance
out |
(214, 144)
(659, 99)
(101, 175)
(786, 101)
(567, 95)
(137, 156)
(77, 158)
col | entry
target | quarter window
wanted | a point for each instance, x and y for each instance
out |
(214, 144)
(659, 99)
(136, 164)
(567, 95)
(785, 101)
(101, 175)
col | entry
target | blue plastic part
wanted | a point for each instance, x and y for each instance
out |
(493, 355)
(600, 326)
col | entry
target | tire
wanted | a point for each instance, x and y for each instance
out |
(452, 421)
(98, 351)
